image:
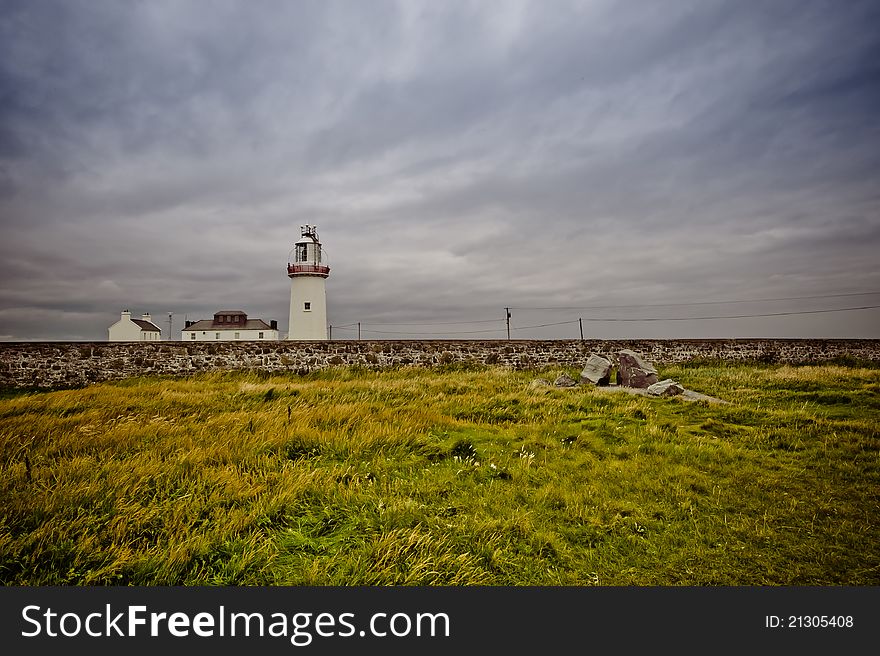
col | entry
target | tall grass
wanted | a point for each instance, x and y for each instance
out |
(444, 477)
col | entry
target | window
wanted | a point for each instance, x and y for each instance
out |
(236, 335)
(307, 306)
(192, 335)
(216, 335)
(235, 318)
(260, 336)
(302, 253)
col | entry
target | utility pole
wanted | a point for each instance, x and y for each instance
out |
(507, 312)
(330, 331)
(581, 324)
(170, 333)
(359, 329)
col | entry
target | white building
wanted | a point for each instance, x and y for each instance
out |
(229, 325)
(134, 330)
(308, 297)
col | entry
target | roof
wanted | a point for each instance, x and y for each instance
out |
(148, 326)
(208, 324)
(230, 312)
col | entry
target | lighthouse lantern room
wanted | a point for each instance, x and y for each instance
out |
(307, 269)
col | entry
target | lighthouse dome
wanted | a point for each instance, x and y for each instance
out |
(307, 239)
(309, 235)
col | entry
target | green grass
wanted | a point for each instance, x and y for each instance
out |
(444, 477)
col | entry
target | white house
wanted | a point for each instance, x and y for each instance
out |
(134, 330)
(229, 325)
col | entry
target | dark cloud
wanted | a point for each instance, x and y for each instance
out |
(457, 158)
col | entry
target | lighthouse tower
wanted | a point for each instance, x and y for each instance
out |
(307, 270)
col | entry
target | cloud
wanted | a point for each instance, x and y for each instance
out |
(456, 157)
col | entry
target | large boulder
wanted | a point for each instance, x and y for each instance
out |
(597, 370)
(633, 371)
(666, 387)
(565, 381)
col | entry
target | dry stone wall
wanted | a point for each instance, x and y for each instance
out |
(50, 365)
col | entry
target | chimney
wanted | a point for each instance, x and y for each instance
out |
(146, 317)
(273, 324)
(126, 314)
(188, 324)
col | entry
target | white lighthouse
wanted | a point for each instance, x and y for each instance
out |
(307, 270)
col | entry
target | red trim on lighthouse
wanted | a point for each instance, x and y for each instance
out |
(308, 270)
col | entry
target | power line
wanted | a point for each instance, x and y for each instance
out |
(468, 332)
(645, 305)
(357, 326)
(436, 323)
(741, 316)
(460, 332)
(544, 325)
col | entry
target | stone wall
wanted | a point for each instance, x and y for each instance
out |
(51, 365)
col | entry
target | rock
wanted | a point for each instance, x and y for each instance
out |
(565, 381)
(690, 395)
(686, 395)
(633, 371)
(597, 370)
(666, 387)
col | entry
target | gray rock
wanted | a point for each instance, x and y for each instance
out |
(690, 395)
(565, 381)
(666, 387)
(597, 370)
(633, 371)
(687, 395)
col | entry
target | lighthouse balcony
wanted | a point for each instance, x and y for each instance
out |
(303, 269)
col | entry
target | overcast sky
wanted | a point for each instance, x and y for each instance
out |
(456, 157)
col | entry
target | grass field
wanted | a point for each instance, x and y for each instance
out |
(444, 477)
